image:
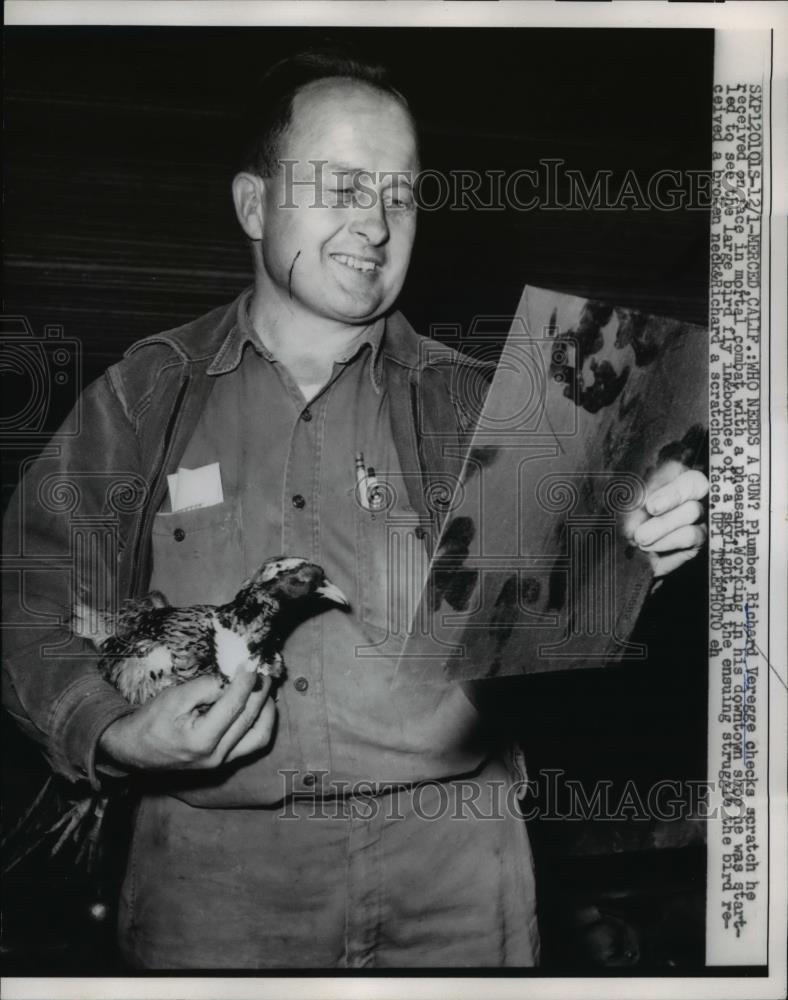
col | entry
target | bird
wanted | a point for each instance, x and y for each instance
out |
(149, 645)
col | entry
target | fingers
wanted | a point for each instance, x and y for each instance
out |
(259, 735)
(656, 529)
(662, 565)
(691, 536)
(169, 733)
(672, 490)
(241, 726)
(688, 485)
(229, 706)
(191, 695)
(632, 521)
(672, 535)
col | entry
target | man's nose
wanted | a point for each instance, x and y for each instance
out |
(370, 222)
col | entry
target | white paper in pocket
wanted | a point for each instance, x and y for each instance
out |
(191, 489)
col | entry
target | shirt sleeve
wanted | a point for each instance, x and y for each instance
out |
(66, 533)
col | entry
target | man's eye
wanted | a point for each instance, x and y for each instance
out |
(392, 201)
(344, 195)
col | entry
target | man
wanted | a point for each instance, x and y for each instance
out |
(233, 864)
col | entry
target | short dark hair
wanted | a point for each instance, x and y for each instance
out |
(270, 109)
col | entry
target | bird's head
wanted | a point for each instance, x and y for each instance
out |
(289, 578)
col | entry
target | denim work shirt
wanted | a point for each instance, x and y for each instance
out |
(288, 479)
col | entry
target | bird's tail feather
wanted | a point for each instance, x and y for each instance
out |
(58, 825)
(88, 623)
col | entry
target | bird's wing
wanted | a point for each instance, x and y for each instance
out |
(141, 677)
(190, 637)
(99, 626)
(135, 614)
(159, 647)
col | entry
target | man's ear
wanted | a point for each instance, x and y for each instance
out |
(248, 191)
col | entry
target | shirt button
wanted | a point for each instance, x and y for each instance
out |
(179, 534)
(298, 502)
(301, 684)
(309, 779)
(306, 415)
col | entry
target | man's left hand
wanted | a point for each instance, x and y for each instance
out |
(669, 528)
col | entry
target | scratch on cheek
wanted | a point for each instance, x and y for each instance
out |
(290, 276)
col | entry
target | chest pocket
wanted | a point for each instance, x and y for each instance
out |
(197, 554)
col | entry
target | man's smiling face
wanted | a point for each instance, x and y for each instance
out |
(337, 234)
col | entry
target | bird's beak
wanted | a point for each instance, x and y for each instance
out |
(333, 593)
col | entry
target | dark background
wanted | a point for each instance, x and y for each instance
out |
(119, 150)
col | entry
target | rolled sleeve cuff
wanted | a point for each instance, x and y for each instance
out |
(81, 715)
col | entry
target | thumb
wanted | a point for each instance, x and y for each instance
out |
(234, 697)
(244, 678)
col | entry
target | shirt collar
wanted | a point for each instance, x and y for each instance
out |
(242, 333)
(374, 339)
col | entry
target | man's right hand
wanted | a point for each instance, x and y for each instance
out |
(196, 725)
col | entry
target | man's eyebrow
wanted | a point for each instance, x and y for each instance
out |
(345, 168)
(397, 176)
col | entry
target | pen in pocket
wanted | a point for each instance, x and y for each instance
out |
(371, 494)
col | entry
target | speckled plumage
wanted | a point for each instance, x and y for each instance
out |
(149, 646)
